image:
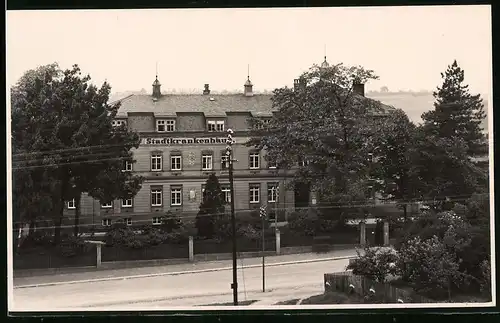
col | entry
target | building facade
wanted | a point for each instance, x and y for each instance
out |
(183, 141)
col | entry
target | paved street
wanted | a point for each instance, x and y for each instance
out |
(159, 270)
(286, 282)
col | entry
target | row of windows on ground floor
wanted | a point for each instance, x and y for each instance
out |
(156, 195)
(156, 220)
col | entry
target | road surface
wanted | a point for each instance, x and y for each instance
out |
(161, 292)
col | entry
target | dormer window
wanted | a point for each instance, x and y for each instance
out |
(220, 126)
(165, 125)
(215, 126)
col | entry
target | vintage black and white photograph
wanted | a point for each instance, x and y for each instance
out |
(276, 158)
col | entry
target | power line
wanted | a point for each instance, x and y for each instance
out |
(35, 153)
(194, 216)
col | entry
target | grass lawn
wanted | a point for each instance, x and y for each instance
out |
(333, 298)
(289, 302)
(242, 303)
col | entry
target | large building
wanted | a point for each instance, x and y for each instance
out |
(183, 140)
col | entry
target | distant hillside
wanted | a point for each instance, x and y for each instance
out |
(414, 103)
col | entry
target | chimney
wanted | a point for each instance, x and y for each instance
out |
(299, 84)
(296, 84)
(358, 88)
(206, 91)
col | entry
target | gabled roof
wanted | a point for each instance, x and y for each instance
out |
(210, 105)
(217, 105)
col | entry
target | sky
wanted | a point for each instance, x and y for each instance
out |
(407, 47)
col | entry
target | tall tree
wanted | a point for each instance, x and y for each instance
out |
(449, 137)
(394, 167)
(211, 208)
(62, 126)
(445, 170)
(325, 122)
(457, 113)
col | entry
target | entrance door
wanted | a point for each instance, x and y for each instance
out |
(302, 193)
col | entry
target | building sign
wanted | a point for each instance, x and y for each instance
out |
(184, 141)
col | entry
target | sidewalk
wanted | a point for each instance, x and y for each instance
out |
(177, 269)
(269, 298)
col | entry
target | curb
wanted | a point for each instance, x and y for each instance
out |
(181, 272)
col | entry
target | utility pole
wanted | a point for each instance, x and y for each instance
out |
(276, 206)
(229, 153)
(263, 212)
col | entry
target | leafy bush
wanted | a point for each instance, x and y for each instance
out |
(486, 278)
(429, 266)
(155, 237)
(119, 235)
(36, 239)
(303, 221)
(376, 264)
(171, 222)
(248, 231)
(180, 235)
(71, 246)
(222, 227)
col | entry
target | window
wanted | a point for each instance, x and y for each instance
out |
(220, 126)
(127, 166)
(156, 162)
(214, 126)
(107, 205)
(106, 222)
(176, 162)
(170, 124)
(71, 204)
(160, 126)
(127, 203)
(128, 221)
(272, 192)
(254, 193)
(157, 220)
(206, 162)
(156, 196)
(118, 123)
(254, 160)
(165, 125)
(176, 196)
(226, 190)
(272, 164)
(211, 126)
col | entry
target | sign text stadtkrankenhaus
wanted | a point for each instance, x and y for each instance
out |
(184, 141)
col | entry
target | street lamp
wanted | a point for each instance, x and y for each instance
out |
(229, 160)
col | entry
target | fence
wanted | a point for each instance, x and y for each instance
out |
(161, 251)
(209, 246)
(51, 258)
(384, 292)
(291, 239)
(199, 250)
